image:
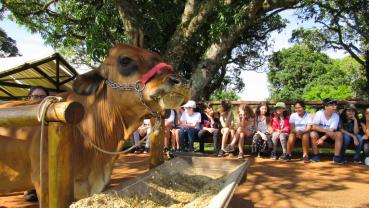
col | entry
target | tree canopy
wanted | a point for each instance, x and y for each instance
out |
(300, 72)
(199, 37)
(8, 46)
(343, 24)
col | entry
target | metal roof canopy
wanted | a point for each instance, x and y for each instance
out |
(53, 73)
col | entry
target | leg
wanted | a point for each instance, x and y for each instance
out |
(283, 138)
(345, 145)
(225, 135)
(241, 142)
(366, 149)
(275, 137)
(305, 144)
(216, 140)
(176, 137)
(314, 138)
(203, 134)
(358, 148)
(291, 143)
(182, 135)
(167, 137)
(338, 140)
(192, 132)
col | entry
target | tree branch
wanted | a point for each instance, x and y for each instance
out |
(131, 21)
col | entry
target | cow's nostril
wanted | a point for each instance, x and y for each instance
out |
(174, 80)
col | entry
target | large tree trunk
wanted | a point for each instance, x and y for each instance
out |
(366, 65)
(195, 14)
(206, 69)
(131, 21)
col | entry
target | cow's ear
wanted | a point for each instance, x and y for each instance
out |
(88, 83)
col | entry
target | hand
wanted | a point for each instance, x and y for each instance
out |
(356, 141)
(320, 141)
(330, 134)
(264, 137)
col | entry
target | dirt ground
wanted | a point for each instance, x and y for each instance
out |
(269, 184)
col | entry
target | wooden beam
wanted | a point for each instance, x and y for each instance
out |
(12, 84)
(66, 64)
(156, 145)
(38, 70)
(26, 66)
(57, 74)
(26, 115)
(6, 92)
(60, 157)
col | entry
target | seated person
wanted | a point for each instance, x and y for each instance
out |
(141, 132)
(365, 132)
(262, 140)
(227, 130)
(325, 129)
(168, 125)
(349, 126)
(246, 129)
(281, 128)
(210, 128)
(189, 125)
(176, 128)
(300, 123)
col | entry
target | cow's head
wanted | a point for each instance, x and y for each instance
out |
(133, 69)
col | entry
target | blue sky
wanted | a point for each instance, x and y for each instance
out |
(31, 45)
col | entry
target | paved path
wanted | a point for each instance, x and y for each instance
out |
(269, 184)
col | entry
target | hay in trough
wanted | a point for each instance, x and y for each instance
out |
(173, 187)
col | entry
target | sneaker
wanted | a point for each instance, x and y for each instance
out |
(228, 149)
(285, 157)
(315, 158)
(166, 149)
(31, 196)
(306, 159)
(273, 156)
(338, 160)
(240, 155)
(231, 154)
(221, 153)
(147, 150)
(366, 161)
(358, 161)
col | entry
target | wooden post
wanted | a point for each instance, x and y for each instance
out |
(26, 115)
(157, 145)
(61, 180)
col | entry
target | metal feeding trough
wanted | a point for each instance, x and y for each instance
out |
(185, 181)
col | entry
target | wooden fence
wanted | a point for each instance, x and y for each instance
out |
(58, 191)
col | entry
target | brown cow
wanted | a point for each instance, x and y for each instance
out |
(111, 98)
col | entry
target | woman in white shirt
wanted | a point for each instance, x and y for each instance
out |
(190, 126)
(300, 123)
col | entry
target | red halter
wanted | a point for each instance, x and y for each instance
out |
(157, 69)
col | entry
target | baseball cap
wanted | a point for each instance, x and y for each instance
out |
(280, 105)
(329, 101)
(350, 106)
(190, 104)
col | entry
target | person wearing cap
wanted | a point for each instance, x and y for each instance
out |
(325, 129)
(281, 129)
(365, 132)
(300, 123)
(190, 125)
(349, 126)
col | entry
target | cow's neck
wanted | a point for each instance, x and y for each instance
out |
(112, 121)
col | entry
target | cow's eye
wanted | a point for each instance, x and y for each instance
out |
(124, 60)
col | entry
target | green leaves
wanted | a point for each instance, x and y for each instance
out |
(302, 73)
